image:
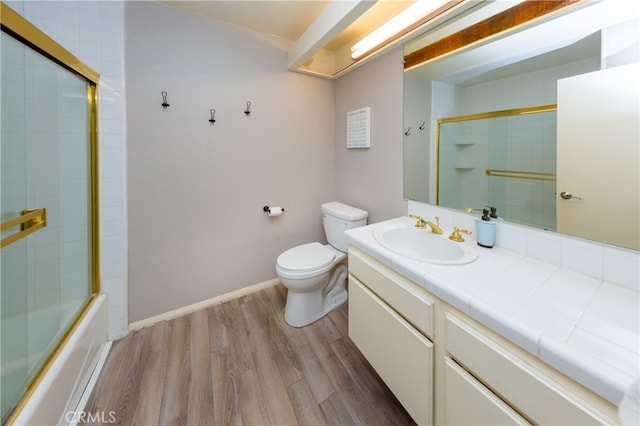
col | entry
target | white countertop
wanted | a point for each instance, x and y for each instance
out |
(584, 327)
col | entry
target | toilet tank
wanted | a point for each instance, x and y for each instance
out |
(337, 218)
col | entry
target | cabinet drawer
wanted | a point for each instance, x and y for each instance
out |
(469, 402)
(524, 387)
(400, 354)
(406, 297)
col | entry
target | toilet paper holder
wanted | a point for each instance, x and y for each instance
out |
(271, 210)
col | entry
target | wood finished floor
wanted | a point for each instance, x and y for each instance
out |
(240, 363)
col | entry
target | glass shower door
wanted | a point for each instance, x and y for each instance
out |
(13, 256)
(13, 270)
(46, 254)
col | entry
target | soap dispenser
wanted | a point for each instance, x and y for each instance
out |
(486, 228)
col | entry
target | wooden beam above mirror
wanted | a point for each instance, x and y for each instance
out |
(522, 14)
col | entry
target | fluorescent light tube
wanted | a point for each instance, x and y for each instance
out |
(400, 22)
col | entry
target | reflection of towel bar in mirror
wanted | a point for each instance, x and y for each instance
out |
(517, 174)
(30, 221)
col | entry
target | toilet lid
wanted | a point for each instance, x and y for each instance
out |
(306, 257)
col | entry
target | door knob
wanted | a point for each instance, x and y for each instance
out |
(567, 196)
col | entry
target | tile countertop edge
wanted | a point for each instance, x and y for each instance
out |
(603, 379)
(590, 372)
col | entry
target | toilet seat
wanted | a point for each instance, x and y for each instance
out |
(305, 258)
(315, 275)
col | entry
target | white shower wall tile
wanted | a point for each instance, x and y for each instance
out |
(112, 214)
(110, 192)
(110, 68)
(110, 126)
(93, 31)
(110, 141)
(113, 242)
(89, 20)
(115, 170)
(117, 319)
(111, 110)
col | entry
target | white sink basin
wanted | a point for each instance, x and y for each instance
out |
(403, 238)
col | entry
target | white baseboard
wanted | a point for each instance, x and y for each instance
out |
(203, 304)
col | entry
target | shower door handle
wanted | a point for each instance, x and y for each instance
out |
(29, 221)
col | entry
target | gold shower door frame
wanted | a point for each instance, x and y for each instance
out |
(23, 31)
(493, 114)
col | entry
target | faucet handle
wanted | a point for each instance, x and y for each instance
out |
(420, 223)
(455, 235)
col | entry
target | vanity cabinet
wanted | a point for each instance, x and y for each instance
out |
(469, 402)
(389, 322)
(530, 390)
(446, 368)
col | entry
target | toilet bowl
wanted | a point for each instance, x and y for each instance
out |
(315, 275)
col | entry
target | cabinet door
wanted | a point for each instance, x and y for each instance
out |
(401, 294)
(398, 352)
(469, 402)
(516, 380)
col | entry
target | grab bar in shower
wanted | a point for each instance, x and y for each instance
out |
(29, 221)
(517, 174)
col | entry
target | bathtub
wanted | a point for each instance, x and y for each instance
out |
(46, 327)
(63, 382)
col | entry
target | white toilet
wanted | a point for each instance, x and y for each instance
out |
(315, 275)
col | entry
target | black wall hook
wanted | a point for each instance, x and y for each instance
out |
(213, 114)
(408, 131)
(248, 108)
(164, 99)
(422, 125)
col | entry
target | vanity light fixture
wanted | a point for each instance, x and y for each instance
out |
(398, 26)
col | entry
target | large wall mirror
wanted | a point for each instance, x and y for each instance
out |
(541, 121)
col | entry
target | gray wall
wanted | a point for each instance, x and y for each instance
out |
(196, 190)
(371, 178)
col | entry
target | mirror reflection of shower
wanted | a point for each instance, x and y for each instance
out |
(524, 67)
(505, 159)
